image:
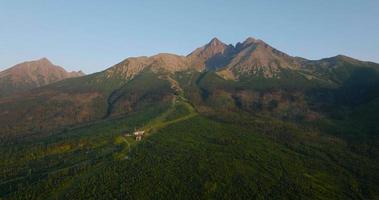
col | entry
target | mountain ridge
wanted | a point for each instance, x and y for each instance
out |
(137, 82)
(32, 74)
(252, 57)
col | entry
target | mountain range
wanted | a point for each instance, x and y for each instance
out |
(226, 121)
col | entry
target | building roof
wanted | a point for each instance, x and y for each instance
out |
(139, 132)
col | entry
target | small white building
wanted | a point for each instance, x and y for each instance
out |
(138, 135)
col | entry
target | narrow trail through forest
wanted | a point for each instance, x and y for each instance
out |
(161, 121)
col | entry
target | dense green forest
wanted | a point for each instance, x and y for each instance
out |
(198, 157)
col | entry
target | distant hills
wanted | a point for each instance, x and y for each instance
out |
(32, 74)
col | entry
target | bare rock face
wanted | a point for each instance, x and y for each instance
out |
(256, 57)
(253, 57)
(213, 55)
(130, 67)
(32, 74)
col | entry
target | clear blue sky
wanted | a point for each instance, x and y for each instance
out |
(93, 35)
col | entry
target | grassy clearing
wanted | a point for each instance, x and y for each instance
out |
(179, 111)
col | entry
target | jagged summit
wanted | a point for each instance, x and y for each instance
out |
(212, 55)
(255, 57)
(44, 59)
(252, 57)
(215, 46)
(250, 40)
(215, 42)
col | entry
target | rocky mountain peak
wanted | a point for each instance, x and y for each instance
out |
(255, 57)
(215, 46)
(252, 56)
(43, 60)
(251, 40)
(213, 55)
(215, 42)
(32, 74)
